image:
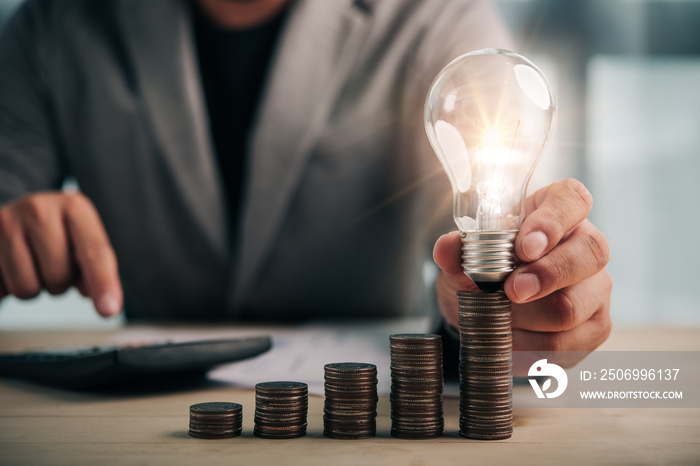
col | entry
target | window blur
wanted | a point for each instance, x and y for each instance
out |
(627, 78)
(627, 75)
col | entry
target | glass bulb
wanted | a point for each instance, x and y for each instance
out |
(489, 115)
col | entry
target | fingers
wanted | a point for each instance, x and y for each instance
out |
(45, 232)
(567, 308)
(561, 291)
(55, 240)
(552, 212)
(94, 255)
(573, 319)
(580, 255)
(448, 256)
(16, 261)
(585, 337)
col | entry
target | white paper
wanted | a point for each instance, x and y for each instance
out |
(298, 353)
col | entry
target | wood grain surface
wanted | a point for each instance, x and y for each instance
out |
(40, 425)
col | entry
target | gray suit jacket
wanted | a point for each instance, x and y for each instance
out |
(343, 194)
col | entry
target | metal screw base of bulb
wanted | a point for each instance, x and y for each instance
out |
(485, 366)
(488, 256)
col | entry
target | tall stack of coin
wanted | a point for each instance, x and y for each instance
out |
(280, 409)
(485, 366)
(350, 410)
(416, 386)
(215, 420)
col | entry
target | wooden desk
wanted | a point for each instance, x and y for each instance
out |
(45, 426)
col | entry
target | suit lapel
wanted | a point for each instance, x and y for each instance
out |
(159, 40)
(316, 52)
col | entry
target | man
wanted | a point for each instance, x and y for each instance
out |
(259, 159)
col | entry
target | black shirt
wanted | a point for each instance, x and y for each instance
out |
(233, 65)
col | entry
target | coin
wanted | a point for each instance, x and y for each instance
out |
(416, 386)
(215, 420)
(280, 409)
(350, 407)
(281, 386)
(349, 368)
(215, 407)
(227, 434)
(485, 367)
(272, 434)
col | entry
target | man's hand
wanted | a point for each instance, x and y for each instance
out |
(54, 240)
(561, 291)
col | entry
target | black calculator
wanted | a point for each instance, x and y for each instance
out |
(100, 366)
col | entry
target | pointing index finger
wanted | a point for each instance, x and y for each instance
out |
(94, 255)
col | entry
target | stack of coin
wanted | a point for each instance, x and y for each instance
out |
(350, 410)
(485, 366)
(416, 386)
(280, 409)
(216, 420)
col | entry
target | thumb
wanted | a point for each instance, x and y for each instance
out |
(447, 254)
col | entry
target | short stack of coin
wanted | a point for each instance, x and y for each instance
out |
(350, 410)
(416, 386)
(280, 409)
(215, 420)
(485, 366)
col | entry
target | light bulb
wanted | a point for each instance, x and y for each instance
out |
(489, 115)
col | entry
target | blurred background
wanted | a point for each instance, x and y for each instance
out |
(627, 77)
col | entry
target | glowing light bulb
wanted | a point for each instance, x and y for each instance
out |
(489, 115)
